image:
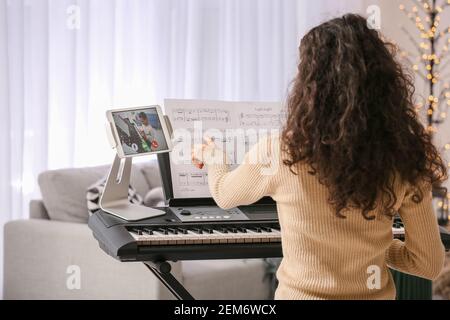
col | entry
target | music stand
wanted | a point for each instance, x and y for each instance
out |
(114, 199)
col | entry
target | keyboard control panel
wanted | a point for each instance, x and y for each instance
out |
(208, 214)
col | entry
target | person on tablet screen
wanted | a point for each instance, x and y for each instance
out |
(147, 132)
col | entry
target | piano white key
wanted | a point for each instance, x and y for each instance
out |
(203, 238)
(276, 236)
(220, 236)
(160, 238)
(255, 236)
(233, 237)
(191, 237)
(398, 231)
(135, 235)
(238, 237)
(248, 238)
(179, 238)
(148, 239)
(268, 236)
(195, 237)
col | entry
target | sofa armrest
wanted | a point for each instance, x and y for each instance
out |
(40, 257)
(38, 210)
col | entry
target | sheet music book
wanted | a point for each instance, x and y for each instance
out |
(191, 119)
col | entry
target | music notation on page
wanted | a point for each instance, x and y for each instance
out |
(220, 120)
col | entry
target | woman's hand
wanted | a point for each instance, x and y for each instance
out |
(198, 152)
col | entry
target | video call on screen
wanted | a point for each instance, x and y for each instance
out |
(140, 131)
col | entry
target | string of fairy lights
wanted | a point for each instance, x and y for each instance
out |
(431, 63)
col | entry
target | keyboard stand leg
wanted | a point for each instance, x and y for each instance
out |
(162, 271)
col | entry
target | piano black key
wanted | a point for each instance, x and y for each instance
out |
(256, 236)
(255, 229)
(163, 231)
(182, 230)
(148, 231)
(137, 231)
(222, 237)
(197, 230)
(172, 230)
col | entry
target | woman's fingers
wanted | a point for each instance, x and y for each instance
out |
(197, 156)
(198, 152)
(197, 163)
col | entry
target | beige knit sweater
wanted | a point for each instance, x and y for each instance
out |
(326, 257)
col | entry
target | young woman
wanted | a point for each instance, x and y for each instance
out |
(351, 156)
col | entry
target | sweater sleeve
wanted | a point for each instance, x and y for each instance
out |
(422, 254)
(250, 181)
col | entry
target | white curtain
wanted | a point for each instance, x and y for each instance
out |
(64, 62)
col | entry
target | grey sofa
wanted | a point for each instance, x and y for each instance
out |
(42, 255)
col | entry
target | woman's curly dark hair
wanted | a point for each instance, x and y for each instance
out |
(352, 119)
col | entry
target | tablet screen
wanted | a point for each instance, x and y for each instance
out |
(140, 131)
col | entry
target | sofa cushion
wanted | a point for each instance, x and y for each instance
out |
(155, 198)
(151, 174)
(64, 191)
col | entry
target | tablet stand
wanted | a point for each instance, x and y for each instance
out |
(114, 199)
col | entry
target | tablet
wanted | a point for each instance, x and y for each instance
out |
(139, 131)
